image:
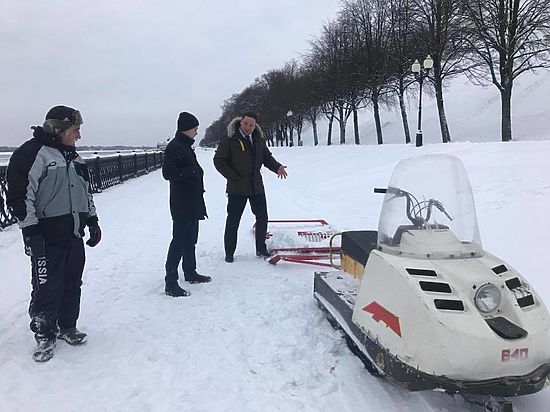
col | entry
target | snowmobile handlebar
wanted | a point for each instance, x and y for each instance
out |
(414, 206)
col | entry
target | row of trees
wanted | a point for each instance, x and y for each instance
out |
(363, 59)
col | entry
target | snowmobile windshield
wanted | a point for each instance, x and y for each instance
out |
(428, 210)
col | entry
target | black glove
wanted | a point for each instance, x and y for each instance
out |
(35, 246)
(95, 236)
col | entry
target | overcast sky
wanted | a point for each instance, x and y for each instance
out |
(131, 66)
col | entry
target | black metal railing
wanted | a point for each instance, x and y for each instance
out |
(104, 172)
(6, 218)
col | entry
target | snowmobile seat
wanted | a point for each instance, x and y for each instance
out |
(356, 248)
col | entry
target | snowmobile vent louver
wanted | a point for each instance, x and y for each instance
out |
(449, 304)
(435, 287)
(500, 269)
(526, 298)
(526, 301)
(513, 283)
(421, 272)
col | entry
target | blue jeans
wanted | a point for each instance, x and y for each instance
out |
(182, 247)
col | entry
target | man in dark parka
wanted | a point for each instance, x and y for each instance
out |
(187, 207)
(239, 158)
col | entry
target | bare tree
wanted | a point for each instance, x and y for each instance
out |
(403, 43)
(371, 24)
(507, 38)
(328, 111)
(332, 52)
(440, 25)
(313, 92)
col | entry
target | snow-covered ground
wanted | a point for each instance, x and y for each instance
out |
(253, 339)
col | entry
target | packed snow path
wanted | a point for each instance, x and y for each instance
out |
(252, 339)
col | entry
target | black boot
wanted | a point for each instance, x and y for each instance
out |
(229, 259)
(264, 253)
(175, 291)
(44, 348)
(196, 278)
(72, 336)
(44, 329)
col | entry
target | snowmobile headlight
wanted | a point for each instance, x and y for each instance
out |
(487, 298)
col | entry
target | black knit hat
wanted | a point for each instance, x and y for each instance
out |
(60, 118)
(186, 121)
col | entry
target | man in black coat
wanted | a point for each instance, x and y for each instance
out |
(239, 158)
(187, 206)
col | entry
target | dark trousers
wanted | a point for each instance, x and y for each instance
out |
(56, 282)
(235, 208)
(185, 234)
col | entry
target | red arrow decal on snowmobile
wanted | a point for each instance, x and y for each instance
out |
(380, 313)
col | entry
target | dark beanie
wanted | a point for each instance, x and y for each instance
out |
(186, 121)
(60, 118)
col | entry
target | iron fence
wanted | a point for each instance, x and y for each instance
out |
(104, 172)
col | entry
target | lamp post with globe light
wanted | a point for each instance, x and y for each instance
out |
(420, 72)
(289, 119)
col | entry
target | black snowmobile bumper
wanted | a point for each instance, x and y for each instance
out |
(338, 308)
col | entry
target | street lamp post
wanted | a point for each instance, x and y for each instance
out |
(288, 116)
(420, 72)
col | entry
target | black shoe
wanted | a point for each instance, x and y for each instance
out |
(44, 348)
(72, 336)
(229, 259)
(196, 278)
(264, 253)
(176, 291)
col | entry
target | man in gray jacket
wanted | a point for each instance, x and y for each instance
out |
(48, 193)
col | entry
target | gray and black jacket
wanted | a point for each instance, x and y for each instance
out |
(48, 189)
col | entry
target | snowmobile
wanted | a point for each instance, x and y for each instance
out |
(423, 305)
